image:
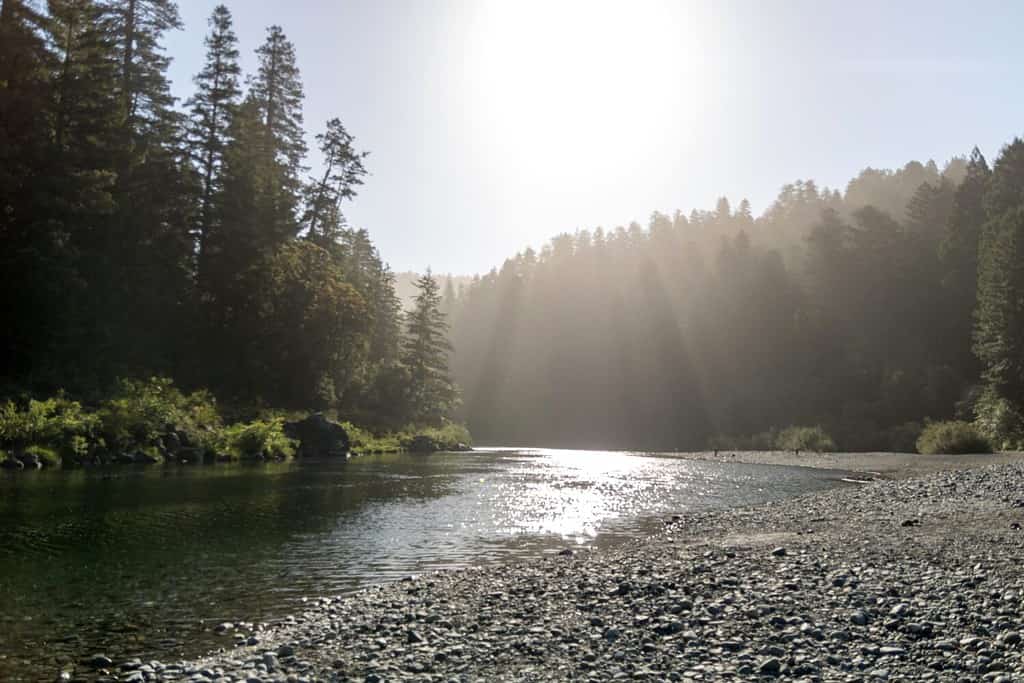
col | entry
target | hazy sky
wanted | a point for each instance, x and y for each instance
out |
(495, 124)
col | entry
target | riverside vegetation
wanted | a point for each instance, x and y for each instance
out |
(146, 237)
(143, 237)
(147, 422)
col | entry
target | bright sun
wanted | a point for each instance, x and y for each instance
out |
(583, 92)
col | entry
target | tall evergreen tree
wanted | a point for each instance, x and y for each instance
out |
(138, 26)
(1000, 309)
(276, 90)
(343, 171)
(958, 254)
(216, 97)
(27, 245)
(426, 349)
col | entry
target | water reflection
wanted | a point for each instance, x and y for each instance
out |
(140, 562)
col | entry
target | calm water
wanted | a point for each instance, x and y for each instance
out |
(143, 562)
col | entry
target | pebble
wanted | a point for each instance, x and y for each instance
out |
(856, 599)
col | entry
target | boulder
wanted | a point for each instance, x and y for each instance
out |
(318, 436)
(422, 443)
(171, 442)
(30, 460)
(12, 464)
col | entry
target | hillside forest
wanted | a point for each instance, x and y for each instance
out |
(192, 240)
(868, 312)
(144, 236)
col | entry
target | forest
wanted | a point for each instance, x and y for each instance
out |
(144, 237)
(866, 314)
(149, 238)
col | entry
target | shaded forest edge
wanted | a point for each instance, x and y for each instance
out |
(889, 317)
(153, 422)
(148, 238)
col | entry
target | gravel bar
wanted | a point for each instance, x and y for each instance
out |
(900, 579)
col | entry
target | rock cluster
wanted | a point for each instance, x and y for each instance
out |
(318, 437)
(826, 587)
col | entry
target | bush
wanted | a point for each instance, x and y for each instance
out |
(953, 437)
(999, 421)
(449, 437)
(804, 439)
(47, 456)
(257, 439)
(142, 413)
(364, 441)
(56, 424)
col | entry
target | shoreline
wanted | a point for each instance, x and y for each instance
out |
(903, 578)
(877, 464)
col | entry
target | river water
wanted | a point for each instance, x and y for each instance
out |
(143, 562)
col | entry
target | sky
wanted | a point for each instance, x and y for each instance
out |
(493, 125)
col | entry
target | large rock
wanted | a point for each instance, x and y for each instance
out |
(318, 436)
(30, 460)
(11, 463)
(421, 443)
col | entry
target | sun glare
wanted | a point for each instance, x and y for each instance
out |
(580, 92)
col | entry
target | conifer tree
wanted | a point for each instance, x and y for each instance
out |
(276, 90)
(26, 241)
(426, 349)
(1000, 310)
(216, 97)
(958, 255)
(137, 27)
(343, 171)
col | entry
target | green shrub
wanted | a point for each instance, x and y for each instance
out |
(57, 424)
(364, 441)
(142, 412)
(447, 437)
(999, 421)
(47, 456)
(953, 437)
(804, 439)
(260, 438)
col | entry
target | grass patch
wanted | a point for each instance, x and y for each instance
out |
(448, 437)
(365, 441)
(953, 437)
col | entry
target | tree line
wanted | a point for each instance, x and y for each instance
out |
(144, 236)
(869, 312)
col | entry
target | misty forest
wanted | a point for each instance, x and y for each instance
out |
(246, 435)
(867, 312)
(190, 240)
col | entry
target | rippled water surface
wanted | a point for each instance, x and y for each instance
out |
(143, 562)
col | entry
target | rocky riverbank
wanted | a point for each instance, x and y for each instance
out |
(887, 465)
(904, 579)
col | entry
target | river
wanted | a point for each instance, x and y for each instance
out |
(144, 562)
